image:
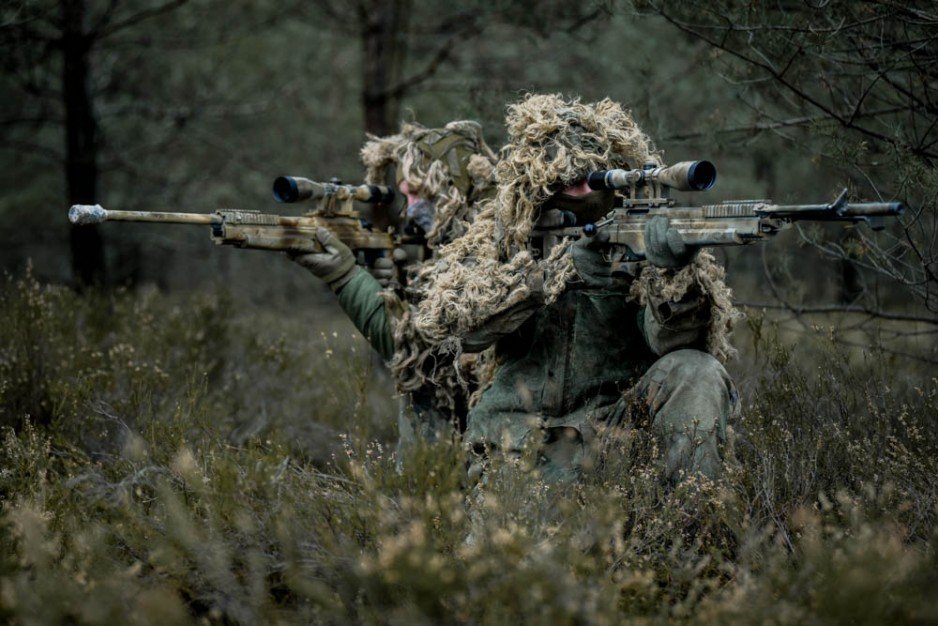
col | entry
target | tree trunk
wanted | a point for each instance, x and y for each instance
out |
(383, 43)
(383, 51)
(81, 141)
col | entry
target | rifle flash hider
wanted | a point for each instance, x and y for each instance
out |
(683, 176)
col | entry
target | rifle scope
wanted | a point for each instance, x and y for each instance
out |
(683, 176)
(291, 189)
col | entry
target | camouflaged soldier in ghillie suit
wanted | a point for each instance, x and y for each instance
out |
(443, 172)
(577, 349)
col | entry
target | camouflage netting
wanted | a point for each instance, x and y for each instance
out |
(450, 166)
(452, 375)
(705, 275)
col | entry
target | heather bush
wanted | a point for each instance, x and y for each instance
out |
(162, 462)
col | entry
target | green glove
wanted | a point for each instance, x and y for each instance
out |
(590, 265)
(384, 271)
(664, 246)
(335, 264)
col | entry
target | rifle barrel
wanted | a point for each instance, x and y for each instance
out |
(95, 214)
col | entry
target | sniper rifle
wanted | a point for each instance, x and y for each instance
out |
(333, 209)
(645, 193)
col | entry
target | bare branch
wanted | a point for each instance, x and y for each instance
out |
(839, 309)
(766, 66)
(108, 29)
(763, 126)
(106, 16)
(442, 54)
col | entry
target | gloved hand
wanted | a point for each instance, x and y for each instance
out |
(669, 324)
(384, 271)
(510, 319)
(591, 267)
(664, 246)
(335, 264)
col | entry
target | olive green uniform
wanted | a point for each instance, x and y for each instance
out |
(570, 368)
(419, 416)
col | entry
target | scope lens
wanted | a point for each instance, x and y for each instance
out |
(702, 175)
(597, 180)
(381, 195)
(285, 189)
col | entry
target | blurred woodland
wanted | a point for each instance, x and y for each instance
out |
(196, 434)
(198, 104)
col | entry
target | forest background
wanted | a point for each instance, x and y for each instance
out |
(139, 361)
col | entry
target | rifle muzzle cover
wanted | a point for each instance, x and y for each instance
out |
(84, 214)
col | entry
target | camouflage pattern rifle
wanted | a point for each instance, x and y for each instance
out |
(333, 210)
(645, 193)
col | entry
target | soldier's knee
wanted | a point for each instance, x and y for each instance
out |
(693, 365)
(686, 386)
(690, 397)
(688, 372)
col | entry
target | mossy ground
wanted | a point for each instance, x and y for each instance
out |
(178, 460)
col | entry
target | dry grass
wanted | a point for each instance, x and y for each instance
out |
(170, 463)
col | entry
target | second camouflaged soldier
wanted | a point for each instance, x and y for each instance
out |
(442, 172)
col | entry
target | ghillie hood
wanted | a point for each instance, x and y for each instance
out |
(452, 167)
(552, 143)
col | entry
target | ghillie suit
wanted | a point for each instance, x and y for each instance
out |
(450, 167)
(567, 346)
(553, 144)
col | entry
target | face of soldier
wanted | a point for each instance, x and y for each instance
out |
(586, 204)
(420, 211)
